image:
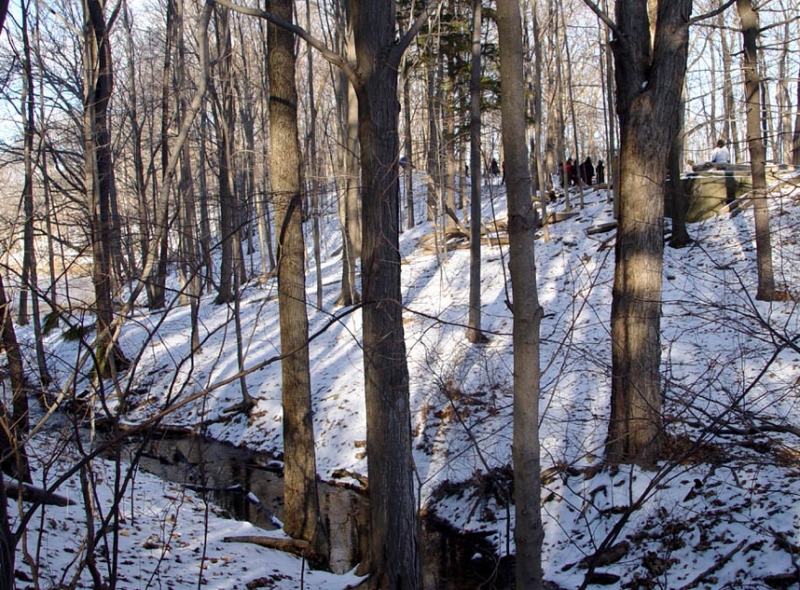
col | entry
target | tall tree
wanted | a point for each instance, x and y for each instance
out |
(409, 146)
(394, 529)
(730, 130)
(678, 197)
(99, 177)
(136, 140)
(394, 558)
(157, 281)
(350, 200)
(474, 332)
(796, 133)
(301, 518)
(522, 223)
(648, 70)
(29, 287)
(224, 121)
(758, 153)
(13, 428)
(191, 287)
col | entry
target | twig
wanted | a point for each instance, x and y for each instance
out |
(716, 566)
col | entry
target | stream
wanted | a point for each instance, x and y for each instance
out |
(249, 486)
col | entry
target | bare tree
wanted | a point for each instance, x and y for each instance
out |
(302, 516)
(223, 95)
(474, 332)
(29, 283)
(758, 153)
(99, 173)
(394, 547)
(350, 199)
(648, 69)
(528, 531)
(796, 134)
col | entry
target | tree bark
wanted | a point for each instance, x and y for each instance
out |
(474, 332)
(132, 112)
(647, 73)
(15, 425)
(349, 203)
(224, 118)
(394, 527)
(301, 516)
(796, 134)
(98, 85)
(730, 129)
(409, 169)
(752, 86)
(190, 260)
(679, 200)
(528, 531)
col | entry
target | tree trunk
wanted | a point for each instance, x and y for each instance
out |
(561, 141)
(730, 129)
(679, 200)
(758, 156)
(349, 204)
(301, 516)
(190, 262)
(543, 182)
(449, 151)
(29, 283)
(224, 115)
(394, 527)
(156, 285)
(98, 84)
(264, 217)
(14, 426)
(528, 531)
(205, 216)
(647, 105)
(474, 332)
(132, 111)
(409, 169)
(783, 149)
(434, 171)
(796, 134)
(313, 165)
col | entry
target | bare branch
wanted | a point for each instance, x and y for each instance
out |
(69, 25)
(713, 13)
(330, 55)
(600, 13)
(416, 27)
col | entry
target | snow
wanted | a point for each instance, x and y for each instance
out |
(721, 513)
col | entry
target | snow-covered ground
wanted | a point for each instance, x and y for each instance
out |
(720, 512)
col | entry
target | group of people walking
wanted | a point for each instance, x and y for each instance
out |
(571, 171)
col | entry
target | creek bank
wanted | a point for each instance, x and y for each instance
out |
(248, 485)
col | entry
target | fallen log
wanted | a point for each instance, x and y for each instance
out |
(601, 229)
(33, 494)
(293, 546)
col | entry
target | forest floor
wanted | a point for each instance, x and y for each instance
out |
(720, 510)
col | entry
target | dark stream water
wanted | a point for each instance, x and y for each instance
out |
(249, 485)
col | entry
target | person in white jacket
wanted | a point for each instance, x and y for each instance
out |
(720, 154)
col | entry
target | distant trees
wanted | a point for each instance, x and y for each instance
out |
(111, 160)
